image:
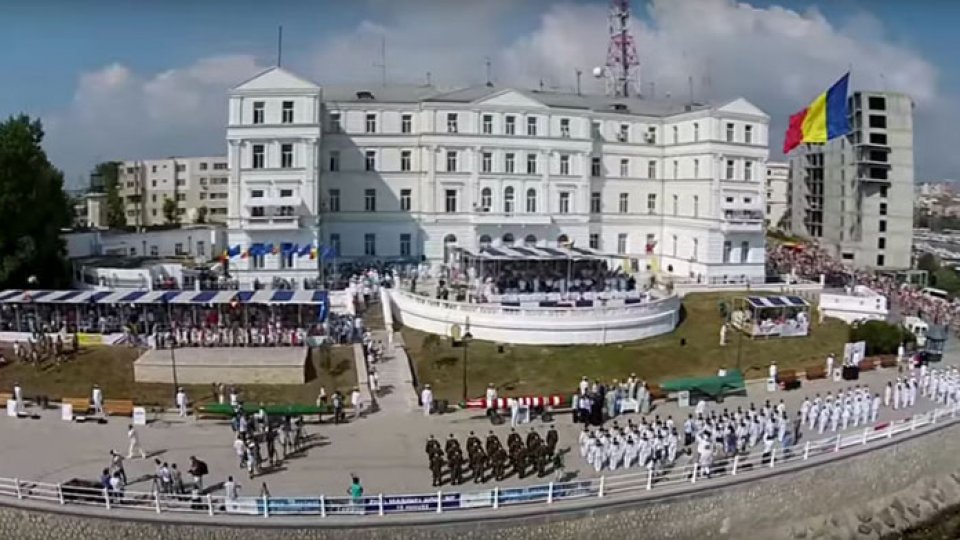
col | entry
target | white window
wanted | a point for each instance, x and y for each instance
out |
(405, 200)
(452, 161)
(624, 134)
(286, 116)
(335, 126)
(333, 197)
(727, 248)
(370, 160)
(510, 125)
(405, 245)
(370, 200)
(744, 251)
(486, 162)
(730, 132)
(258, 156)
(596, 130)
(565, 128)
(406, 123)
(595, 167)
(259, 262)
(531, 201)
(696, 249)
(335, 244)
(748, 170)
(405, 156)
(652, 169)
(624, 167)
(286, 156)
(676, 134)
(486, 199)
(594, 241)
(676, 169)
(508, 200)
(652, 135)
(508, 162)
(595, 202)
(696, 168)
(334, 160)
(451, 122)
(748, 134)
(624, 203)
(696, 132)
(371, 123)
(258, 110)
(531, 164)
(564, 164)
(370, 244)
(532, 126)
(487, 124)
(203, 166)
(696, 206)
(673, 248)
(622, 243)
(651, 203)
(564, 202)
(730, 169)
(286, 193)
(450, 201)
(154, 251)
(676, 204)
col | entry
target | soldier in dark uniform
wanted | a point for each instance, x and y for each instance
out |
(543, 458)
(533, 440)
(436, 467)
(433, 447)
(552, 438)
(478, 463)
(518, 458)
(499, 459)
(493, 444)
(456, 467)
(514, 439)
(451, 443)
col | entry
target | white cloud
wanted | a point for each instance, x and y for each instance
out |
(778, 58)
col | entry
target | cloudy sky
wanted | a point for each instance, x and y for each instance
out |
(117, 79)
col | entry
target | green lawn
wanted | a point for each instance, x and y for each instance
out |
(523, 370)
(112, 369)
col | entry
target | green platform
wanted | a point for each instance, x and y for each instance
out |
(713, 387)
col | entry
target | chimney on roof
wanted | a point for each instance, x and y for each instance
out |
(365, 95)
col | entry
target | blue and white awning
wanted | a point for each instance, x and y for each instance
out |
(776, 301)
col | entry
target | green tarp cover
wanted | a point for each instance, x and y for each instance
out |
(711, 386)
(272, 410)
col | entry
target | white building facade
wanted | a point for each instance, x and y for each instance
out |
(778, 190)
(407, 173)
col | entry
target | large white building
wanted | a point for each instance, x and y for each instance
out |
(408, 172)
(778, 194)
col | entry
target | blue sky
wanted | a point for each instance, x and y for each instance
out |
(119, 79)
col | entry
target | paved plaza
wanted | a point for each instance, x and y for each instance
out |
(385, 448)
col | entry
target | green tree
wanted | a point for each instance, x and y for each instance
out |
(109, 171)
(170, 211)
(202, 214)
(881, 337)
(928, 262)
(33, 209)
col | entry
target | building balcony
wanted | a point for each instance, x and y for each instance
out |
(870, 180)
(480, 217)
(272, 223)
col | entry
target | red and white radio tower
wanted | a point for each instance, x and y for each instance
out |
(622, 67)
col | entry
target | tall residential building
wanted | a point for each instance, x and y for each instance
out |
(778, 192)
(411, 172)
(855, 194)
(195, 183)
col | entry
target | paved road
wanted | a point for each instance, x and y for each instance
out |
(385, 449)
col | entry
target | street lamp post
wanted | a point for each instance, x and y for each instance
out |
(467, 337)
(173, 356)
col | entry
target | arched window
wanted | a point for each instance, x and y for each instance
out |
(562, 239)
(508, 239)
(485, 241)
(531, 201)
(486, 199)
(508, 200)
(530, 240)
(450, 239)
(449, 242)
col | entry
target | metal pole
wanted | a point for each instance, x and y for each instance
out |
(736, 465)
(866, 433)
(773, 457)
(16, 482)
(550, 493)
(439, 501)
(266, 507)
(649, 479)
(496, 497)
(600, 492)
(466, 356)
(209, 504)
(380, 502)
(156, 500)
(60, 493)
(696, 468)
(173, 355)
(806, 451)
(323, 507)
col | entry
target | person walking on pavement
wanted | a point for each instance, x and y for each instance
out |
(116, 465)
(96, 397)
(134, 439)
(426, 399)
(356, 402)
(198, 469)
(181, 403)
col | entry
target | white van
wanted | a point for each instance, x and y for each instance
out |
(918, 328)
(935, 293)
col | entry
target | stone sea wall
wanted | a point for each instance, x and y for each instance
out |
(866, 495)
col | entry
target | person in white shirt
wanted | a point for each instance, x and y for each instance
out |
(584, 385)
(773, 371)
(18, 396)
(181, 402)
(830, 361)
(491, 397)
(231, 489)
(356, 402)
(134, 443)
(426, 400)
(97, 398)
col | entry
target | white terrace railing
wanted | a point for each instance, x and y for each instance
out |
(645, 482)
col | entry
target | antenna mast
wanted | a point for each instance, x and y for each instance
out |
(279, 46)
(622, 59)
(383, 61)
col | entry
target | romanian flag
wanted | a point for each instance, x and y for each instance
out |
(824, 120)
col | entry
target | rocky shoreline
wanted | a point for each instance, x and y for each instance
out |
(943, 526)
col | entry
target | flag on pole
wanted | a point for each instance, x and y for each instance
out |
(824, 120)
